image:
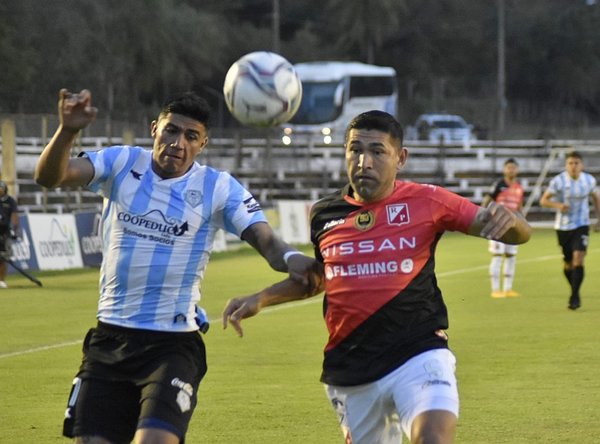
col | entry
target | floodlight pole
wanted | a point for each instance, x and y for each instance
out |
(276, 27)
(501, 85)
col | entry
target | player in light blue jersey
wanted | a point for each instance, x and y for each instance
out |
(143, 362)
(569, 194)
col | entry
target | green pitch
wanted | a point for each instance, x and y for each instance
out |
(527, 366)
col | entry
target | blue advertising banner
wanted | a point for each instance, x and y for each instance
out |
(23, 254)
(89, 232)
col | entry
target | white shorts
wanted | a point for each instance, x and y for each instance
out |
(378, 412)
(496, 247)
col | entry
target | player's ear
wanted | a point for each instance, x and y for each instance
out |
(402, 157)
(153, 127)
(204, 143)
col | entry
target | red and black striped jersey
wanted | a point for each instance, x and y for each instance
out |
(382, 303)
(511, 196)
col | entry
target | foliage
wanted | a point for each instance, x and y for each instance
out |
(133, 53)
(558, 57)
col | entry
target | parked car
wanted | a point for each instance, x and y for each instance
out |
(446, 128)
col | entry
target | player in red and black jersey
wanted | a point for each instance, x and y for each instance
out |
(387, 367)
(508, 192)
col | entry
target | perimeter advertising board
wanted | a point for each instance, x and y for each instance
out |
(90, 237)
(23, 254)
(55, 241)
(294, 221)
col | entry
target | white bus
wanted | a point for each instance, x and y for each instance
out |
(335, 92)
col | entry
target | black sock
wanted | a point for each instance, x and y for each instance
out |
(576, 280)
(568, 274)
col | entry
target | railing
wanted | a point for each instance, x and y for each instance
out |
(308, 170)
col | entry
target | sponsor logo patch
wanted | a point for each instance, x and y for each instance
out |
(184, 396)
(333, 223)
(180, 318)
(156, 221)
(364, 270)
(407, 266)
(136, 175)
(252, 206)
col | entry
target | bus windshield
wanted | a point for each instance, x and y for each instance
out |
(318, 104)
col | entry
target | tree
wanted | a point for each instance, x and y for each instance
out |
(364, 24)
(556, 58)
(133, 53)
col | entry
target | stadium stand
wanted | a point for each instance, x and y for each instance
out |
(273, 171)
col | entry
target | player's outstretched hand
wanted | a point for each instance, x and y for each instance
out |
(497, 220)
(237, 309)
(75, 111)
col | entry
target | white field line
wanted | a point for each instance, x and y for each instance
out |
(39, 349)
(486, 266)
(278, 307)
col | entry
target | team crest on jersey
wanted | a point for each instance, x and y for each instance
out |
(364, 220)
(193, 197)
(397, 214)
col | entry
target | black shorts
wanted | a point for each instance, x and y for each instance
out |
(132, 379)
(573, 240)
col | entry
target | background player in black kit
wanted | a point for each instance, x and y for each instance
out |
(9, 227)
(387, 368)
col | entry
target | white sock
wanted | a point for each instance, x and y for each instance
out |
(509, 272)
(495, 266)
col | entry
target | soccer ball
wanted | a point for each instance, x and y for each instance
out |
(262, 89)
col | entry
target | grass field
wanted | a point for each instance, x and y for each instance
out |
(527, 366)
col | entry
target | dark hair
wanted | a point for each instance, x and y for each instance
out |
(4, 186)
(188, 104)
(511, 160)
(575, 154)
(380, 121)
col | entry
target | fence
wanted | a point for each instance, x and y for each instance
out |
(309, 169)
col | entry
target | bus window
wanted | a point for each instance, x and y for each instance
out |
(363, 86)
(318, 103)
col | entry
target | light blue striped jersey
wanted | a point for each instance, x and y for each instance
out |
(158, 235)
(575, 192)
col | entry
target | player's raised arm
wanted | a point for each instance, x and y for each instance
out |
(287, 290)
(497, 222)
(55, 166)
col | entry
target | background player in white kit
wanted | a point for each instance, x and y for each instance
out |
(569, 194)
(143, 363)
(508, 192)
